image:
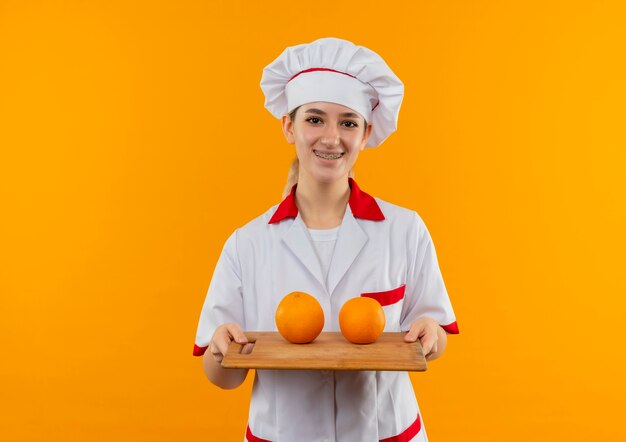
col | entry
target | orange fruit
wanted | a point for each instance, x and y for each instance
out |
(299, 318)
(361, 320)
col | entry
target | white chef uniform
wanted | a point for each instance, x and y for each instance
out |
(382, 251)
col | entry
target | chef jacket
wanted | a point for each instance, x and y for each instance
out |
(383, 251)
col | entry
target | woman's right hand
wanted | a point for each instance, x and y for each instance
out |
(223, 336)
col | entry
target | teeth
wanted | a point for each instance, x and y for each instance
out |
(328, 156)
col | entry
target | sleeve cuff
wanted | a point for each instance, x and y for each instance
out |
(199, 351)
(451, 328)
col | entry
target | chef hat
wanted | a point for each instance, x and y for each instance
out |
(337, 71)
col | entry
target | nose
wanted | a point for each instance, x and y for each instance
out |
(330, 137)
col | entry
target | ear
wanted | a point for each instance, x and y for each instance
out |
(288, 129)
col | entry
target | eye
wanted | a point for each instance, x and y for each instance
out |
(313, 120)
(351, 124)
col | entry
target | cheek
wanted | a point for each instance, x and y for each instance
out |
(304, 141)
(355, 141)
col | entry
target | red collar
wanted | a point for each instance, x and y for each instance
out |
(362, 205)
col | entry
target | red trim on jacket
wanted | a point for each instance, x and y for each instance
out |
(452, 328)
(199, 351)
(252, 438)
(362, 205)
(387, 297)
(405, 436)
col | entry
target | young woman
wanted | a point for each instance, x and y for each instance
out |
(332, 240)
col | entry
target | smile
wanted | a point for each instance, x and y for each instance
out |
(328, 156)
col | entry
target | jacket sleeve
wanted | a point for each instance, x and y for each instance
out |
(426, 293)
(224, 299)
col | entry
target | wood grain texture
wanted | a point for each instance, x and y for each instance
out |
(330, 351)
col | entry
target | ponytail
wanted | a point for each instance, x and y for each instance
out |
(292, 177)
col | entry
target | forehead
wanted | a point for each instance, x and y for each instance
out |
(327, 108)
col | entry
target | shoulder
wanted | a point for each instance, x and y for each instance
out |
(408, 224)
(405, 223)
(399, 215)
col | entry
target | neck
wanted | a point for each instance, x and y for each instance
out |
(322, 205)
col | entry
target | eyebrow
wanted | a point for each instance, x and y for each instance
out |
(321, 112)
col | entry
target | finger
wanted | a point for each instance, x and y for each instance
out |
(235, 332)
(432, 352)
(428, 341)
(414, 332)
(217, 354)
(221, 341)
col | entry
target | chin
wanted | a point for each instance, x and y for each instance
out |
(328, 178)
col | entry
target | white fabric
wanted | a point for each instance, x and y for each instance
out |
(332, 87)
(261, 262)
(370, 88)
(324, 243)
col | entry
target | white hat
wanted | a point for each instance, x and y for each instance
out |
(337, 71)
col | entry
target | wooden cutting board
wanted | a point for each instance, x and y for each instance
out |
(330, 351)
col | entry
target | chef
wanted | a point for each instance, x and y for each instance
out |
(333, 240)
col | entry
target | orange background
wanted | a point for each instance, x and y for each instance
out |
(134, 140)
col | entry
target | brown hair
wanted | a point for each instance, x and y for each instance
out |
(294, 169)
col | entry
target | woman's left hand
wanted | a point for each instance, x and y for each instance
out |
(426, 329)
